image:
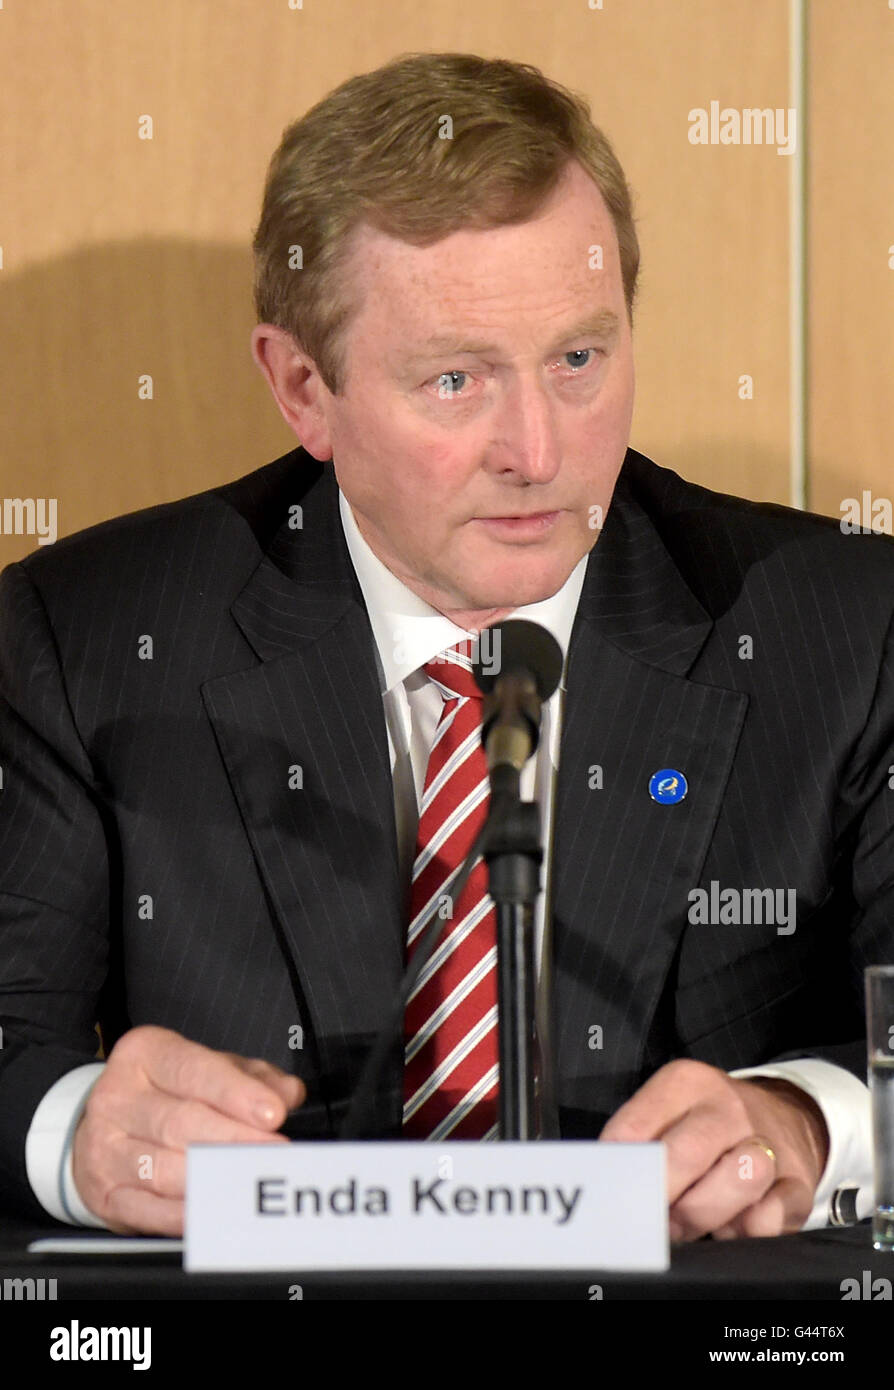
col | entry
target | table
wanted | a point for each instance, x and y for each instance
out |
(808, 1266)
(777, 1297)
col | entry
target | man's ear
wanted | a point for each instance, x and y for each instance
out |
(297, 386)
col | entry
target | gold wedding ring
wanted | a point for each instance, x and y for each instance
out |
(762, 1143)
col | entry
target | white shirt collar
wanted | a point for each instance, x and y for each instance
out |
(409, 632)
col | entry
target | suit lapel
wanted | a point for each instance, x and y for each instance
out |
(624, 863)
(304, 741)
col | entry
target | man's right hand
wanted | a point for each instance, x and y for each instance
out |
(159, 1092)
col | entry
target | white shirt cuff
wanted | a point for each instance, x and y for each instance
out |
(48, 1146)
(847, 1110)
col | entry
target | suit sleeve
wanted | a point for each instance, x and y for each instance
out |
(54, 881)
(866, 844)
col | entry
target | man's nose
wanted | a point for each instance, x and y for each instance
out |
(527, 435)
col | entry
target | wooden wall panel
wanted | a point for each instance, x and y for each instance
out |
(851, 257)
(714, 234)
(124, 256)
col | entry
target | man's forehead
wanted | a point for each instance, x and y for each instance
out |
(476, 289)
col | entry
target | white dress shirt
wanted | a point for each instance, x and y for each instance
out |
(408, 632)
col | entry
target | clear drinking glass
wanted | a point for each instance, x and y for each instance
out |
(880, 1048)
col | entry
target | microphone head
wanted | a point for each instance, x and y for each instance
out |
(517, 645)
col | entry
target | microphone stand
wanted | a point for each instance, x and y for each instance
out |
(514, 854)
(527, 666)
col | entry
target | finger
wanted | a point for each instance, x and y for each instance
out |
(134, 1163)
(782, 1211)
(158, 1119)
(191, 1071)
(291, 1089)
(109, 1161)
(109, 1164)
(665, 1098)
(739, 1178)
(697, 1142)
(129, 1209)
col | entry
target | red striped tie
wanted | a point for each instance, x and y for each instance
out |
(450, 1026)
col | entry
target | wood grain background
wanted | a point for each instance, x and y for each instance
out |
(124, 256)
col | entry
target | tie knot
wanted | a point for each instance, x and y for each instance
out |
(452, 672)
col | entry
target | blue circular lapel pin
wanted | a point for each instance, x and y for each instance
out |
(668, 786)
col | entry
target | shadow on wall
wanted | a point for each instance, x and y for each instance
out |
(80, 332)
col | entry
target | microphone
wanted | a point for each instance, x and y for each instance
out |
(517, 665)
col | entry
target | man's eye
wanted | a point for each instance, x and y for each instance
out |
(447, 384)
(452, 383)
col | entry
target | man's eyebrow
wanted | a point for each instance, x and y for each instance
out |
(602, 324)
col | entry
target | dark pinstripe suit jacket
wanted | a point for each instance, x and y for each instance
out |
(156, 866)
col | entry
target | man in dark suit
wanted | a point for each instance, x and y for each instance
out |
(215, 726)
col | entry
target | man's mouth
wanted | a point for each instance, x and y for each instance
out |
(522, 525)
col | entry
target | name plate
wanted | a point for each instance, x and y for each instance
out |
(572, 1204)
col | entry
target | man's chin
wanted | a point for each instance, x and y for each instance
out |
(509, 595)
(533, 578)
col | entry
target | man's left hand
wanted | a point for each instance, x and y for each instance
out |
(721, 1181)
